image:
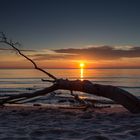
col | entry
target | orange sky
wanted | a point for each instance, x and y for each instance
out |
(12, 60)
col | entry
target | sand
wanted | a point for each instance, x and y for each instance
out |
(42, 123)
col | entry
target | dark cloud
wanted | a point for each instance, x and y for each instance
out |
(10, 49)
(103, 52)
(57, 56)
(90, 53)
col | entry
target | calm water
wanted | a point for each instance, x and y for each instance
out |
(28, 80)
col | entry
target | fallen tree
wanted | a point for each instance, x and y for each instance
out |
(120, 96)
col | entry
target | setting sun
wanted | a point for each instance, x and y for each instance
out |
(82, 65)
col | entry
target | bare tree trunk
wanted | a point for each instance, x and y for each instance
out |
(118, 95)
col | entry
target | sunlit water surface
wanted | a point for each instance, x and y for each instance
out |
(29, 80)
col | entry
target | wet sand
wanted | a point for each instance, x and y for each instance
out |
(42, 123)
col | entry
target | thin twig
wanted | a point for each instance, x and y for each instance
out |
(10, 43)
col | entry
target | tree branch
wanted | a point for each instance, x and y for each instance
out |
(120, 96)
(10, 43)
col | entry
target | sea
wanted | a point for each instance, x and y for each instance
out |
(17, 81)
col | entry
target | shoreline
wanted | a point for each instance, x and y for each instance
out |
(37, 106)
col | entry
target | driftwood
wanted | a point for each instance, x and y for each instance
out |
(116, 94)
(120, 96)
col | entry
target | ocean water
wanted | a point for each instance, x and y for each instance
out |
(16, 81)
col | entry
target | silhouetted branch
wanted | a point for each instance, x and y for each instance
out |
(13, 45)
(120, 96)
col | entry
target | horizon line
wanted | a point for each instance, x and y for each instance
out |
(80, 68)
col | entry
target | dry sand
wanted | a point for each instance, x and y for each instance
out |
(41, 123)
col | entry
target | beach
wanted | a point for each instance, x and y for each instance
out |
(25, 122)
(36, 122)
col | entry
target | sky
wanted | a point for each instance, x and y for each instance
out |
(64, 33)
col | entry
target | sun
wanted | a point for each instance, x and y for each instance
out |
(82, 65)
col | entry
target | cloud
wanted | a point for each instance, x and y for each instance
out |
(11, 49)
(56, 56)
(87, 53)
(103, 52)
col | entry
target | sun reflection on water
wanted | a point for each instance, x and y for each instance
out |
(82, 71)
(81, 74)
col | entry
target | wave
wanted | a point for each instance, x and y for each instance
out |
(106, 77)
(102, 81)
(17, 90)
